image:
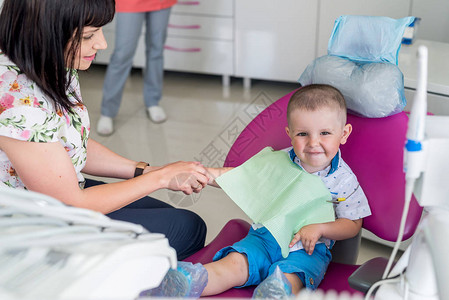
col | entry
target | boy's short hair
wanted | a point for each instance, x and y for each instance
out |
(315, 96)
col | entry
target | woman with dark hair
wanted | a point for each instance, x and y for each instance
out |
(44, 125)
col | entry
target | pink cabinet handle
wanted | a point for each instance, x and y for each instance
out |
(182, 49)
(189, 2)
(184, 26)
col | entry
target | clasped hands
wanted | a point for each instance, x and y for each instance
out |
(188, 177)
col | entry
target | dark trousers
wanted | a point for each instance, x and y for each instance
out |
(184, 229)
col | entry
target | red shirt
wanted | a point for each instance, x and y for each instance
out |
(142, 5)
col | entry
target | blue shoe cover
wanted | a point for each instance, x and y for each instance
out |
(275, 286)
(187, 281)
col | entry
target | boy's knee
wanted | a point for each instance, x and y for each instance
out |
(239, 263)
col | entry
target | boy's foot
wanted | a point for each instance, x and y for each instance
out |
(187, 281)
(156, 114)
(105, 126)
(276, 286)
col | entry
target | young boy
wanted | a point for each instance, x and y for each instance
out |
(317, 126)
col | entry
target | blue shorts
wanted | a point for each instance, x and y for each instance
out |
(264, 255)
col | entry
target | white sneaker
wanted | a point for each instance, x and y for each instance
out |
(156, 114)
(105, 126)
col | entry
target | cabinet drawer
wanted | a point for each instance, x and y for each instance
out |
(436, 104)
(200, 27)
(205, 7)
(104, 56)
(196, 55)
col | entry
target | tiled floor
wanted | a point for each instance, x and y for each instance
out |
(198, 110)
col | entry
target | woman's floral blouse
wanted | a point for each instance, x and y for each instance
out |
(27, 114)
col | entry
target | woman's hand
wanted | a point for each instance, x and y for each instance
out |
(308, 235)
(187, 177)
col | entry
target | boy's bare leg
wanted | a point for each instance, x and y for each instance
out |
(295, 282)
(226, 273)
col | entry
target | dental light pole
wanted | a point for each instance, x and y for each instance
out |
(423, 270)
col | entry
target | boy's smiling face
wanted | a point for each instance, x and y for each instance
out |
(317, 135)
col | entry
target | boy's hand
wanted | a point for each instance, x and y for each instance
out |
(214, 173)
(308, 235)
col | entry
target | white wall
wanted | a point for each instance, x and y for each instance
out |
(274, 41)
(434, 16)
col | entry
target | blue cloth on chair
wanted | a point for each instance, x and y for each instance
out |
(373, 90)
(362, 63)
(368, 38)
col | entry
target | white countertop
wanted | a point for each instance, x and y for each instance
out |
(438, 65)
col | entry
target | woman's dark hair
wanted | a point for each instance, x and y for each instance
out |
(42, 37)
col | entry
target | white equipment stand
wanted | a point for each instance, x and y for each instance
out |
(52, 251)
(423, 270)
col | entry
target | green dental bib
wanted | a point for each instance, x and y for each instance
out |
(274, 191)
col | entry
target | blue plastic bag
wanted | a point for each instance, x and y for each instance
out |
(275, 286)
(372, 90)
(186, 281)
(368, 38)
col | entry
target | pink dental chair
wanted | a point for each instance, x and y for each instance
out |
(374, 151)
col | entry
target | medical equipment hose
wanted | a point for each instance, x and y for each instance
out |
(408, 196)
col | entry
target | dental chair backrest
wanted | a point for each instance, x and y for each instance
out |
(374, 151)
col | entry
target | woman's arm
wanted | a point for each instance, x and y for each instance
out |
(105, 163)
(101, 161)
(46, 168)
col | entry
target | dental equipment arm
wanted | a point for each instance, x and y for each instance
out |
(423, 269)
(413, 149)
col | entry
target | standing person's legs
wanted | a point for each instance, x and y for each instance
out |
(127, 33)
(185, 230)
(155, 36)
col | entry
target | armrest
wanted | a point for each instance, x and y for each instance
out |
(367, 274)
(347, 251)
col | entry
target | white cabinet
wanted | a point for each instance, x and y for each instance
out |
(274, 40)
(103, 56)
(266, 39)
(201, 37)
(438, 74)
(438, 66)
(277, 40)
(434, 23)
